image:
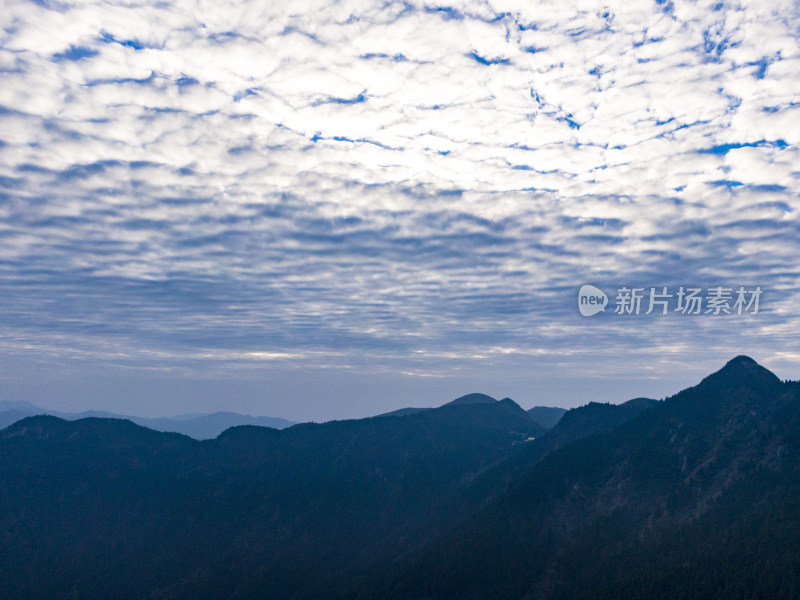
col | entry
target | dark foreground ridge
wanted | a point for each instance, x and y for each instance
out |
(697, 496)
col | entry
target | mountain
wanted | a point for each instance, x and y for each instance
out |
(18, 405)
(7, 417)
(467, 399)
(595, 418)
(546, 416)
(204, 427)
(13, 411)
(402, 412)
(578, 423)
(200, 427)
(474, 399)
(103, 508)
(696, 496)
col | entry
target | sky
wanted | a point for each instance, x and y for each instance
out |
(329, 209)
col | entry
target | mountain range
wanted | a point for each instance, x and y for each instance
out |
(208, 426)
(198, 426)
(546, 416)
(695, 496)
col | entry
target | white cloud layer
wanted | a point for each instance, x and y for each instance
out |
(407, 186)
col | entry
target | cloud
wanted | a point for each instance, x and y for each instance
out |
(374, 182)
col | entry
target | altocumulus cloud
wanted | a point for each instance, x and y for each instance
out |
(406, 186)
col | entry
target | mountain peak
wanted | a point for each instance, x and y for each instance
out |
(473, 399)
(741, 360)
(744, 365)
(742, 370)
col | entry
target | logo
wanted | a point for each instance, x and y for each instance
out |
(591, 300)
(685, 300)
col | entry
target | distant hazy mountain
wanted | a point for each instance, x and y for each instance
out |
(402, 412)
(8, 405)
(546, 416)
(473, 399)
(210, 426)
(468, 399)
(200, 427)
(696, 497)
(7, 417)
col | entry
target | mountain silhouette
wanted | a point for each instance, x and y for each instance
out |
(198, 426)
(110, 509)
(546, 416)
(695, 496)
(474, 399)
(401, 412)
